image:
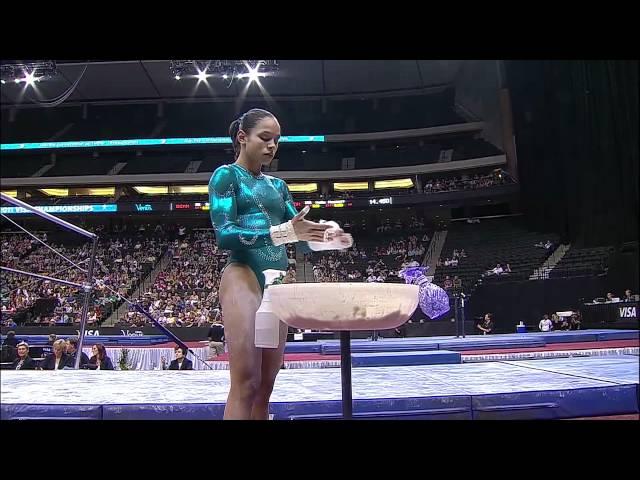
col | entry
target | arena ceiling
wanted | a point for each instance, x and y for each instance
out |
(152, 80)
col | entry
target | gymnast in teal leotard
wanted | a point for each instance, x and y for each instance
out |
(244, 206)
(254, 217)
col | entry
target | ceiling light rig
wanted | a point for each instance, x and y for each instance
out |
(27, 72)
(227, 70)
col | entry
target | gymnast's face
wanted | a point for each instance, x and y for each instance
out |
(261, 142)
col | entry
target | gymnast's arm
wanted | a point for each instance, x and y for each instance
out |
(290, 211)
(344, 241)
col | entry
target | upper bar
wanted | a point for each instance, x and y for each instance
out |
(48, 216)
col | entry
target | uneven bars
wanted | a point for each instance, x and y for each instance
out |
(47, 216)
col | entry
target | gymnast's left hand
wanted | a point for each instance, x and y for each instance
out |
(337, 237)
(344, 240)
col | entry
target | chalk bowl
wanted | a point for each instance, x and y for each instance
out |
(344, 306)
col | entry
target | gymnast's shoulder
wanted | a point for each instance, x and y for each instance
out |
(221, 179)
(277, 181)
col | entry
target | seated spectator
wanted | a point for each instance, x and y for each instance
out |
(448, 283)
(545, 324)
(610, 297)
(564, 323)
(11, 339)
(58, 359)
(10, 323)
(216, 337)
(8, 353)
(48, 348)
(457, 283)
(507, 269)
(181, 361)
(72, 352)
(628, 297)
(498, 270)
(463, 254)
(575, 323)
(555, 321)
(100, 360)
(486, 326)
(290, 277)
(23, 361)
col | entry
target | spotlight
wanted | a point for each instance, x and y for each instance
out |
(30, 78)
(225, 69)
(254, 73)
(177, 77)
(3, 82)
(29, 73)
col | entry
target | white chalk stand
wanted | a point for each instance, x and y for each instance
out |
(344, 307)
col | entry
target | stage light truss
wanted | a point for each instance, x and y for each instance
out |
(28, 72)
(223, 69)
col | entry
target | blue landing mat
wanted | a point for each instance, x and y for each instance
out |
(303, 347)
(472, 342)
(583, 335)
(548, 405)
(382, 359)
(488, 342)
(410, 344)
(566, 337)
(608, 369)
(51, 412)
(619, 335)
(559, 388)
(369, 347)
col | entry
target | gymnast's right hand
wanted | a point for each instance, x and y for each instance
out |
(306, 230)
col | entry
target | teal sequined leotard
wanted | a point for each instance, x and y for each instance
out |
(242, 208)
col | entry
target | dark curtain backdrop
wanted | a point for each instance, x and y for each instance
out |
(576, 128)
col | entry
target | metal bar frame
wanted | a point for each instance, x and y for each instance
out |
(89, 287)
